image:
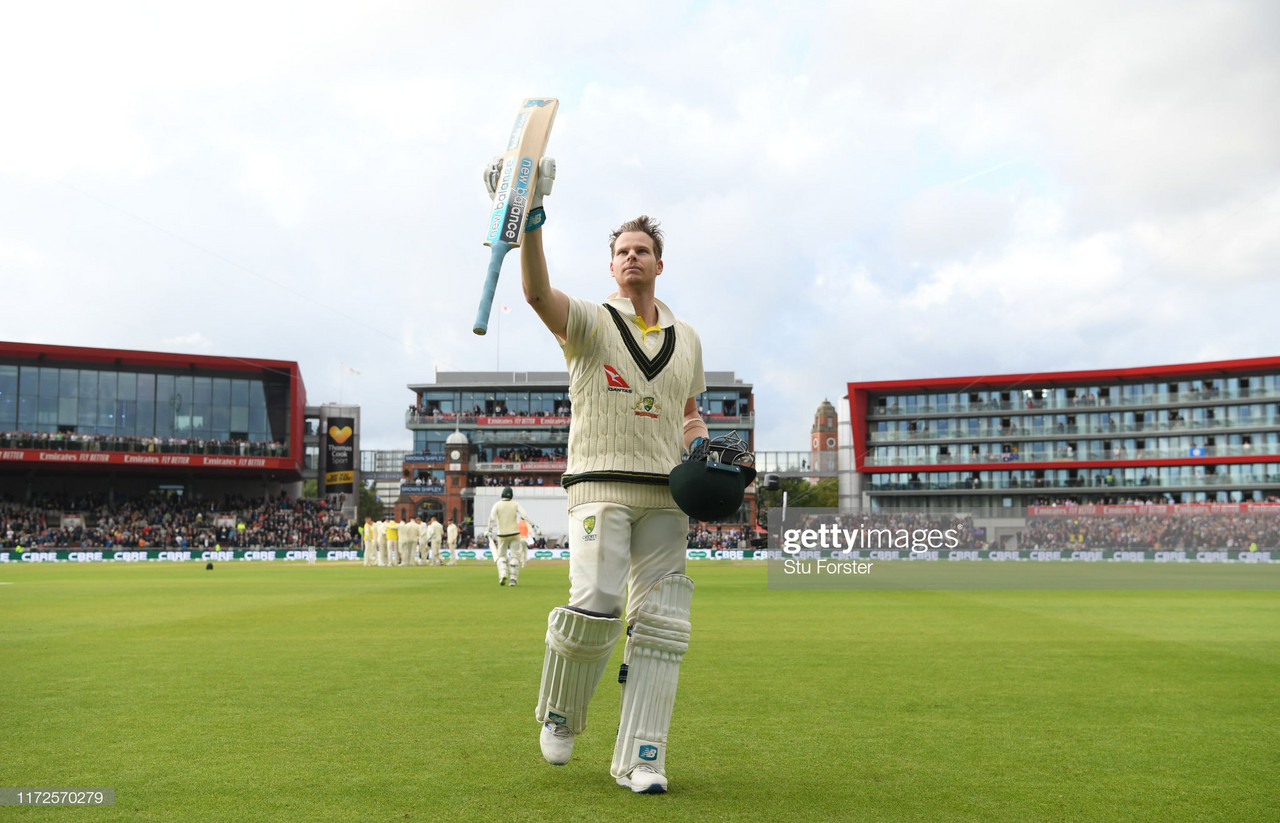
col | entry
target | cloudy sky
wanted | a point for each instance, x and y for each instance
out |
(851, 190)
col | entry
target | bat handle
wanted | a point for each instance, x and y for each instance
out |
(497, 250)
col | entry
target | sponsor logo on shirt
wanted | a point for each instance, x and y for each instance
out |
(616, 383)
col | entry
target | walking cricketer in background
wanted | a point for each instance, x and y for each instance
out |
(504, 536)
(634, 374)
(515, 180)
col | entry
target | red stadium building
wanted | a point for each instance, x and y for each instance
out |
(1192, 433)
(127, 423)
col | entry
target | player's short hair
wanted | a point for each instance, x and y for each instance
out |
(643, 223)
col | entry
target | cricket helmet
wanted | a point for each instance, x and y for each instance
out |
(710, 483)
(507, 494)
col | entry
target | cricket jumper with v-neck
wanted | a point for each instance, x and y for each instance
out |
(628, 384)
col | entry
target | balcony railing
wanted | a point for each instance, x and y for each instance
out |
(1098, 431)
(1132, 484)
(1078, 404)
(797, 462)
(520, 437)
(413, 417)
(1060, 457)
(1010, 459)
(157, 445)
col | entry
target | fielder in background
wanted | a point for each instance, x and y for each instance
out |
(634, 374)
(504, 536)
(380, 532)
(434, 534)
(410, 531)
(419, 550)
(393, 542)
(451, 542)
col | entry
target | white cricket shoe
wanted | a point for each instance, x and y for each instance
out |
(644, 779)
(557, 743)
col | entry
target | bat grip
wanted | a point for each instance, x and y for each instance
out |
(497, 250)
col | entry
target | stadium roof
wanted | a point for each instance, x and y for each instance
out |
(127, 357)
(1216, 368)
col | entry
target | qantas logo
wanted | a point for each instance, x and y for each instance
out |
(616, 383)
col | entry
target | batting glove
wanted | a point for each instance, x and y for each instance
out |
(492, 174)
(546, 179)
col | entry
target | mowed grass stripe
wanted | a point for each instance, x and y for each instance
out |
(291, 692)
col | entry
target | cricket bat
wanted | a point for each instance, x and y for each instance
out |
(516, 184)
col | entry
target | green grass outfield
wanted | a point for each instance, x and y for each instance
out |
(292, 692)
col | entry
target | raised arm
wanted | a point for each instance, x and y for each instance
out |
(551, 304)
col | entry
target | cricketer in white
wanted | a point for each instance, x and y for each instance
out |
(634, 373)
(509, 548)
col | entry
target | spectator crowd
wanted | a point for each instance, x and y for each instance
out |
(1201, 531)
(163, 522)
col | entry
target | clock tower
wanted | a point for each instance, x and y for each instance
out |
(457, 462)
(822, 439)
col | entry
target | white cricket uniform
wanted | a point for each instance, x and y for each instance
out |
(451, 542)
(393, 542)
(628, 388)
(505, 539)
(370, 542)
(434, 534)
(409, 531)
(627, 538)
(380, 533)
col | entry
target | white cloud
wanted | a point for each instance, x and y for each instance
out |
(195, 342)
(850, 190)
(1232, 242)
(19, 254)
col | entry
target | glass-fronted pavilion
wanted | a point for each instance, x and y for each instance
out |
(86, 408)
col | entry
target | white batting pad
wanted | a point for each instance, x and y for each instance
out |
(659, 639)
(578, 649)
(500, 558)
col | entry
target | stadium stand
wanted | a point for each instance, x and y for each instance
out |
(62, 521)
